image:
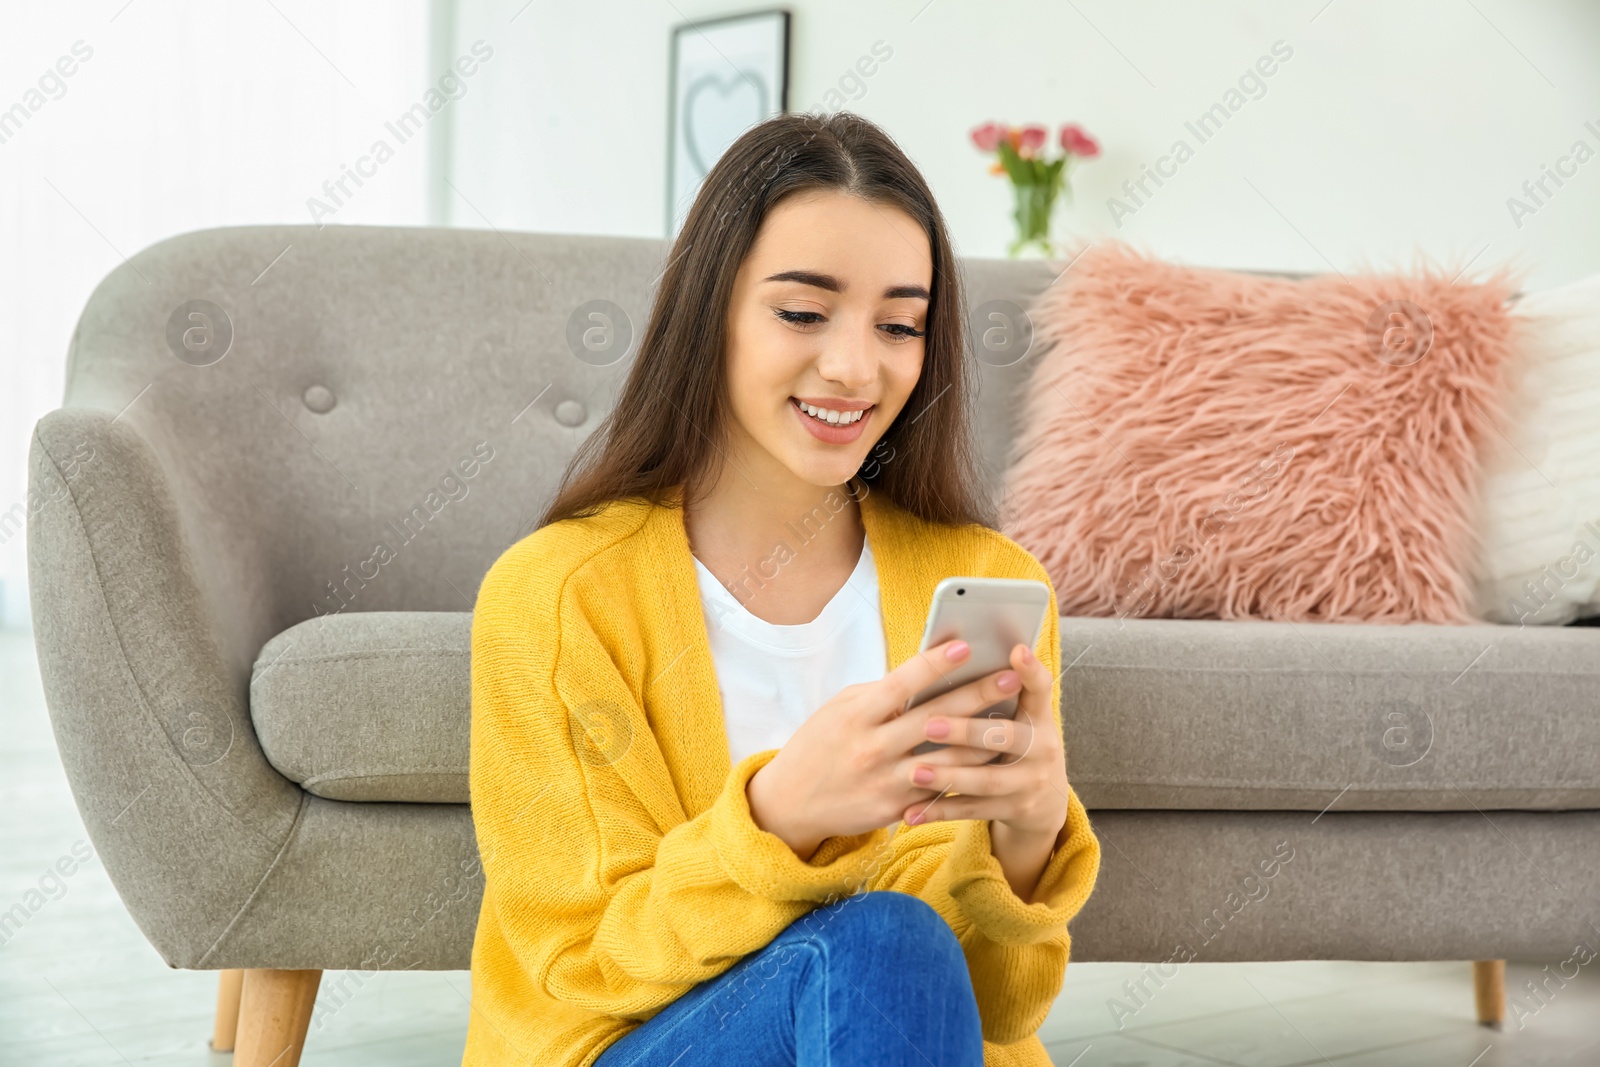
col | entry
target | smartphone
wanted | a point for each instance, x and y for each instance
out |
(992, 615)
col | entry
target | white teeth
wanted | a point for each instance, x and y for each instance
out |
(833, 418)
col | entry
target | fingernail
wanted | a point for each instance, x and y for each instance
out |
(956, 651)
(922, 775)
(938, 729)
(916, 817)
(1027, 654)
(1007, 682)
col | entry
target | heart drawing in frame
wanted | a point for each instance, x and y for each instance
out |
(716, 109)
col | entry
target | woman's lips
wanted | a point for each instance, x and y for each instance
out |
(828, 432)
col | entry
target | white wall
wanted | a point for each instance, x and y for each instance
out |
(1393, 129)
(185, 114)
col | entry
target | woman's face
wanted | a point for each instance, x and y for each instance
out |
(826, 312)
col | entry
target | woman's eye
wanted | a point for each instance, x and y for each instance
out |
(803, 318)
(901, 329)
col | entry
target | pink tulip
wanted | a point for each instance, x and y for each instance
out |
(987, 137)
(1033, 138)
(1074, 140)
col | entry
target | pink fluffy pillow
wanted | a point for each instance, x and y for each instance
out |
(1205, 444)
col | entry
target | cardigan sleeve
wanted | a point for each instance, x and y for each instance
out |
(607, 896)
(1016, 950)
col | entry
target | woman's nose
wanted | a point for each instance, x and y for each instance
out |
(847, 358)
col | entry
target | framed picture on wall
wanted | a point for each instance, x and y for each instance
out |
(727, 74)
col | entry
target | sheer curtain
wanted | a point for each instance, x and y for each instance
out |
(126, 122)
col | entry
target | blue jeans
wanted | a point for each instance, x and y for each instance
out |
(877, 978)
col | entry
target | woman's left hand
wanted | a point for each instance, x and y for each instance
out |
(1025, 797)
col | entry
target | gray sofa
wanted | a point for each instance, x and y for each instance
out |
(252, 593)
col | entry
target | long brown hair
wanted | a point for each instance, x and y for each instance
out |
(926, 461)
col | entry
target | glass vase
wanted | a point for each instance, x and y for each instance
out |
(1036, 203)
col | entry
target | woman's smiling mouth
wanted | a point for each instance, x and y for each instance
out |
(834, 422)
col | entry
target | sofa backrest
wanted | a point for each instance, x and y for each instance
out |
(396, 405)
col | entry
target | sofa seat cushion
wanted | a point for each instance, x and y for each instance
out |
(1159, 713)
(1208, 714)
(368, 705)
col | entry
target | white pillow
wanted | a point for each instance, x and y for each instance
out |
(1539, 518)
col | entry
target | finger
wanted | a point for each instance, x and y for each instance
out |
(974, 696)
(1037, 681)
(909, 730)
(989, 735)
(948, 808)
(1035, 704)
(946, 756)
(919, 672)
(987, 780)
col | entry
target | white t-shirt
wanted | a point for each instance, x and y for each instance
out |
(773, 677)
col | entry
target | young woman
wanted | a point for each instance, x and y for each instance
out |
(705, 836)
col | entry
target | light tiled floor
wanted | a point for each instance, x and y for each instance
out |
(80, 986)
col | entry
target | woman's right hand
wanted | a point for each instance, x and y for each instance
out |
(846, 769)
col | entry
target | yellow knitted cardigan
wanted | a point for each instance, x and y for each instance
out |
(621, 863)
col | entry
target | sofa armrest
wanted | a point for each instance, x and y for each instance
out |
(143, 638)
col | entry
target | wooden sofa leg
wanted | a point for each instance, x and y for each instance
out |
(229, 984)
(274, 1012)
(1489, 989)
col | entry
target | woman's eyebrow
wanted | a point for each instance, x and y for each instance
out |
(833, 285)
